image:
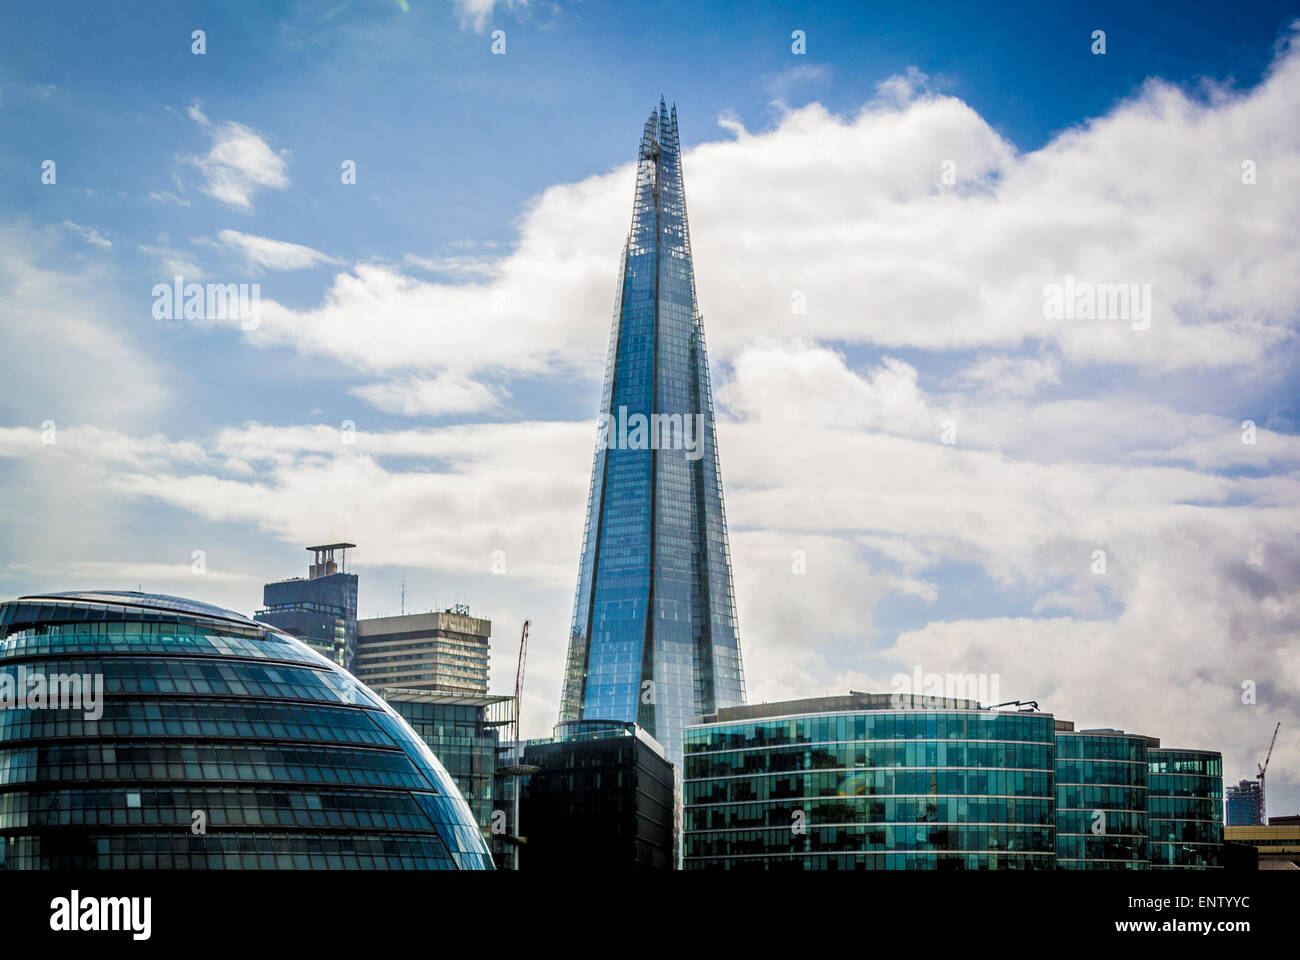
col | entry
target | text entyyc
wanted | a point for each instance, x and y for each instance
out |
(75, 913)
(33, 690)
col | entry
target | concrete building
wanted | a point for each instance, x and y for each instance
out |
(1277, 845)
(444, 652)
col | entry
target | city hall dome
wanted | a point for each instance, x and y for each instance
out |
(140, 731)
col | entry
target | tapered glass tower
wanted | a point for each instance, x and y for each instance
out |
(654, 636)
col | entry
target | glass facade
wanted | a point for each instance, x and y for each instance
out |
(910, 789)
(321, 612)
(1245, 804)
(217, 743)
(458, 732)
(654, 638)
(1101, 800)
(1185, 809)
(602, 797)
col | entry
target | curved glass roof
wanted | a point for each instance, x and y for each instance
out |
(152, 601)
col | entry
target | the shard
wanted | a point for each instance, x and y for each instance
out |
(654, 637)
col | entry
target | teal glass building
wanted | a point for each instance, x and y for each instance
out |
(216, 742)
(866, 782)
(1101, 799)
(1185, 809)
(462, 735)
(654, 638)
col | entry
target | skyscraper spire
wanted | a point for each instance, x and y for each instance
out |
(654, 637)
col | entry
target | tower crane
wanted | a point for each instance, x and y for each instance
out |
(1263, 768)
(519, 679)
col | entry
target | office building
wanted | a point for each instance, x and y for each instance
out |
(321, 610)
(1101, 799)
(1276, 846)
(654, 638)
(218, 742)
(460, 732)
(1185, 808)
(601, 797)
(444, 652)
(1245, 804)
(870, 782)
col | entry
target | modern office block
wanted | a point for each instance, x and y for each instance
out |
(461, 735)
(1185, 808)
(602, 798)
(870, 782)
(654, 638)
(218, 743)
(1101, 799)
(321, 611)
(1245, 804)
(445, 652)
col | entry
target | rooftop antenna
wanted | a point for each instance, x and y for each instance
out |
(403, 594)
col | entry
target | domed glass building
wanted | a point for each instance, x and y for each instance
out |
(148, 732)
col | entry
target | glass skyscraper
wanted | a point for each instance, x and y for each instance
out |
(654, 638)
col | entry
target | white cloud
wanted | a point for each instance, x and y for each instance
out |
(475, 13)
(90, 235)
(166, 196)
(273, 254)
(239, 164)
(437, 396)
(858, 241)
(174, 263)
(66, 352)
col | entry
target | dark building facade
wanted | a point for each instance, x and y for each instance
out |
(321, 611)
(654, 638)
(1245, 804)
(869, 782)
(218, 743)
(1101, 799)
(602, 797)
(1185, 809)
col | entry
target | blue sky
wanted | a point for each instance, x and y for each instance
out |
(453, 305)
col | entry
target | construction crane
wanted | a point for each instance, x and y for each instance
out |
(1263, 768)
(519, 679)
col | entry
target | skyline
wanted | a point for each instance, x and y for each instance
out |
(453, 303)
